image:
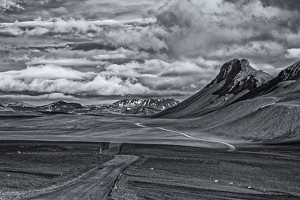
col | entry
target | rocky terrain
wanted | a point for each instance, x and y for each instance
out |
(60, 107)
(236, 78)
(91, 170)
(3, 108)
(282, 82)
(142, 106)
(145, 106)
(269, 112)
(187, 173)
(31, 168)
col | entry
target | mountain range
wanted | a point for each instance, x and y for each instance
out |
(143, 106)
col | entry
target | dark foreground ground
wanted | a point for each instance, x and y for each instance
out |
(69, 170)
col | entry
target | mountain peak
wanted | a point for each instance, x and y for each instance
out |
(231, 68)
(238, 75)
(290, 73)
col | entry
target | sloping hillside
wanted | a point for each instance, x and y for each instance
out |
(291, 73)
(272, 122)
(272, 115)
(235, 79)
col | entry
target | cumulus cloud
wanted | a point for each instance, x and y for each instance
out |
(55, 79)
(161, 76)
(9, 5)
(136, 34)
(64, 61)
(219, 29)
(293, 53)
(145, 38)
(77, 48)
(274, 71)
(49, 72)
(88, 9)
(52, 96)
(74, 25)
(151, 77)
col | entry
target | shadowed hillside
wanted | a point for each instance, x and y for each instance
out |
(235, 79)
(270, 112)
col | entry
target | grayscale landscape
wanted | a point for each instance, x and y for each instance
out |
(149, 99)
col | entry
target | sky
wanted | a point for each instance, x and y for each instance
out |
(108, 49)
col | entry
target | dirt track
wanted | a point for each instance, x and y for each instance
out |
(161, 172)
(95, 185)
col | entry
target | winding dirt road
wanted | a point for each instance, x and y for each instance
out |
(96, 185)
(229, 146)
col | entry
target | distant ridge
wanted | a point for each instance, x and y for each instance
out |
(143, 106)
(236, 78)
(60, 107)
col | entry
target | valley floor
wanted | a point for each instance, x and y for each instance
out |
(77, 170)
(120, 157)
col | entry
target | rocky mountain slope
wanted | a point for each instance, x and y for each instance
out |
(142, 106)
(284, 78)
(269, 113)
(60, 107)
(10, 103)
(236, 78)
(2, 108)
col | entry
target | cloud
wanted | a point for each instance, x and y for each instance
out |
(10, 5)
(49, 72)
(10, 31)
(55, 79)
(145, 38)
(274, 71)
(75, 25)
(25, 10)
(161, 76)
(293, 53)
(136, 34)
(64, 62)
(94, 48)
(219, 30)
(151, 77)
(52, 96)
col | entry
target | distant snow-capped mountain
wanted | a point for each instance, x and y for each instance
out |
(142, 106)
(128, 106)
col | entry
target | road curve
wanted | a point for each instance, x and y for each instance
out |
(95, 185)
(229, 146)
